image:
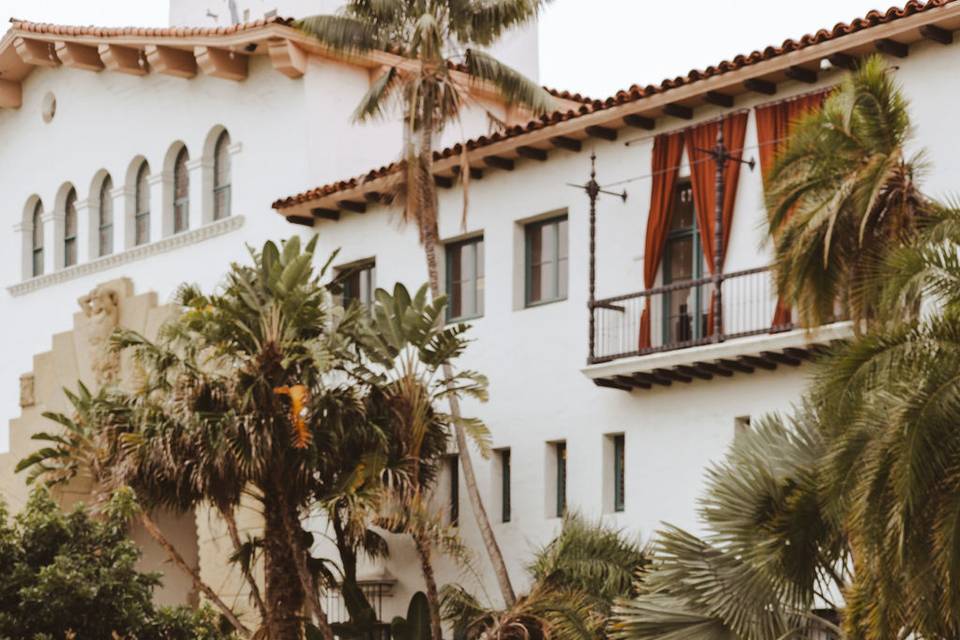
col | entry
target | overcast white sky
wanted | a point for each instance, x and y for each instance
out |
(591, 46)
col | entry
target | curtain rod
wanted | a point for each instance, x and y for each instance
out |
(798, 96)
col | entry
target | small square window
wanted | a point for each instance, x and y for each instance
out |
(465, 282)
(546, 244)
(358, 282)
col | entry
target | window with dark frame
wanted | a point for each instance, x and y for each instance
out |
(181, 192)
(560, 451)
(37, 239)
(221, 177)
(546, 244)
(453, 464)
(684, 310)
(70, 229)
(619, 464)
(358, 283)
(505, 502)
(465, 283)
(141, 217)
(105, 218)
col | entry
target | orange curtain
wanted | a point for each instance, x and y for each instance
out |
(667, 153)
(774, 123)
(703, 181)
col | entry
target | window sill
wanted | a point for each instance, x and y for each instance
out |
(132, 254)
(543, 303)
(463, 319)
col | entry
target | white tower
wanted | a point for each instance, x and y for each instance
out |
(518, 48)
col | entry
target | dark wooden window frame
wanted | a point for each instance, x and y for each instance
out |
(528, 231)
(619, 472)
(478, 275)
(697, 271)
(505, 481)
(358, 269)
(560, 451)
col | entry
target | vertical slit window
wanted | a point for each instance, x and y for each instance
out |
(70, 229)
(465, 279)
(141, 217)
(505, 505)
(619, 462)
(105, 218)
(181, 192)
(546, 259)
(37, 240)
(221, 177)
(560, 449)
(454, 465)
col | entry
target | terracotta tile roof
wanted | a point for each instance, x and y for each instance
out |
(147, 32)
(635, 93)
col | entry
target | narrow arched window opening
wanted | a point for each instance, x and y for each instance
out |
(141, 217)
(105, 218)
(221, 177)
(181, 192)
(70, 229)
(37, 240)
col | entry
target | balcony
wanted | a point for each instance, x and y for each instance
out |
(686, 342)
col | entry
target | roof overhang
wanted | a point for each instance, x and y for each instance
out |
(891, 33)
(188, 51)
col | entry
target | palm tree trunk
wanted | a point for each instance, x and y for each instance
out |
(431, 243)
(433, 595)
(154, 531)
(284, 592)
(292, 531)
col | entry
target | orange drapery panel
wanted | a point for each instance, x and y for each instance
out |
(667, 153)
(703, 181)
(774, 123)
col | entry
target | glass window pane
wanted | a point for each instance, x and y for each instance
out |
(480, 280)
(562, 239)
(548, 234)
(680, 260)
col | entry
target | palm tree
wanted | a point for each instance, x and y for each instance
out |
(576, 579)
(412, 349)
(842, 195)
(431, 92)
(773, 551)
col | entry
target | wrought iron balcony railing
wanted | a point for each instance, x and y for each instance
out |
(680, 315)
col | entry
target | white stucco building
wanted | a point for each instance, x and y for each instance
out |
(260, 112)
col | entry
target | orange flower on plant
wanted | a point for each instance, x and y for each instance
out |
(298, 395)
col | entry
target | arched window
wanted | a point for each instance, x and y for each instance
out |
(37, 241)
(70, 229)
(105, 218)
(181, 192)
(141, 216)
(221, 177)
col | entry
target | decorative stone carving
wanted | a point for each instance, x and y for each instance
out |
(27, 397)
(101, 307)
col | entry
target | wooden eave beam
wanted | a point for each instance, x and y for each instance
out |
(892, 48)
(353, 206)
(79, 56)
(801, 74)
(287, 58)
(532, 153)
(612, 384)
(38, 53)
(476, 173)
(374, 197)
(127, 60)
(678, 111)
(11, 94)
(716, 369)
(736, 365)
(444, 182)
(171, 61)
(325, 214)
(694, 371)
(499, 162)
(844, 61)
(221, 63)
(758, 85)
(566, 142)
(301, 220)
(672, 374)
(604, 133)
(719, 99)
(781, 358)
(761, 363)
(640, 122)
(936, 34)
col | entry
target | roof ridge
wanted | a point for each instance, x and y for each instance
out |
(103, 31)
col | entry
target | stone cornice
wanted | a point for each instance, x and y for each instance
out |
(133, 254)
